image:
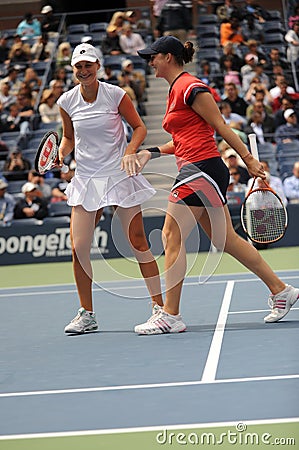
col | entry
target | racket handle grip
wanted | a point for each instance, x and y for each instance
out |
(253, 145)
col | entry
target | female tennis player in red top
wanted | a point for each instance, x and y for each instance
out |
(199, 192)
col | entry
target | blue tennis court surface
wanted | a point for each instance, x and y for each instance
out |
(229, 366)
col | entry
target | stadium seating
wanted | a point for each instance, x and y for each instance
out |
(274, 39)
(98, 26)
(287, 154)
(207, 19)
(80, 28)
(59, 209)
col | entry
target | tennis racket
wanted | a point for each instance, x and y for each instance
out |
(263, 214)
(47, 154)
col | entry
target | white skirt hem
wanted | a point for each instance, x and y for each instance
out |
(96, 193)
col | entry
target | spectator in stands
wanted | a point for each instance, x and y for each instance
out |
(261, 75)
(16, 162)
(156, 6)
(44, 190)
(49, 23)
(258, 81)
(231, 31)
(252, 29)
(42, 49)
(13, 79)
(286, 102)
(258, 124)
(137, 77)
(4, 49)
(109, 76)
(254, 49)
(232, 160)
(253, 8)
(12, 121)
(175, 19)
(230, 116)
(237, 103)
(48, 108)
(251, 61)
(291, 185)
(64, 56)
(6, 99)
(58, 190)
(7, 204)
(32, 79)
(126, 84)
(130, 42)
(225, 10)
(230, 75)
(19, 55)
(110, 44)
(117, 21)
(294, 17)
(281, 82)
(258, 92)
(57, 87)
(131, 18)
(274, 182)
(62, 75)
(284, 90)
(25, 102)
(289, 131)
(249, 77)
(209, 77)
(4, 149)
(238, 129)
(234, 181)
(29, 27)
(229, 50)
(31, 205)
(292, 38)
(275, 59)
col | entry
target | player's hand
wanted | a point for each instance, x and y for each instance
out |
(255, 168)
(143, 157)
(130, 164)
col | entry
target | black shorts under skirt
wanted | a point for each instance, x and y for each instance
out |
(203, 183)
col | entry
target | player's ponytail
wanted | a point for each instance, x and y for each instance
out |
(188, 52)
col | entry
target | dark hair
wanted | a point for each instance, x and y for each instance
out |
(28, 16)
(187, 54)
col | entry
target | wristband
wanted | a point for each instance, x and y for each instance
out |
(155, 152)
(246, 156)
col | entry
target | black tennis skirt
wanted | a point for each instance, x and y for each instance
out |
(203, 183)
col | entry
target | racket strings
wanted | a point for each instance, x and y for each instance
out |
(264, 216)
(48, 154)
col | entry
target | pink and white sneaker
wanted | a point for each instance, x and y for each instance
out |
(281, 303)
(161, 323)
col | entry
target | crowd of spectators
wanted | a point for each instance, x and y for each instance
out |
(256, 82)
(254, 88)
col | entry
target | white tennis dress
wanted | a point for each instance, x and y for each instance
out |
(100, 143)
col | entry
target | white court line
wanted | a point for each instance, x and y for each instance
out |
(152, 428)
(48, 290)
(231, 313)
(130, 387)
(209, 373)
(106, 284)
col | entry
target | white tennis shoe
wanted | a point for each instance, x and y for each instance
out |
(281, 303)
(83, 322)
(161, 323)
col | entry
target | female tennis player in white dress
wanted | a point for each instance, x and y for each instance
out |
(106, 175)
